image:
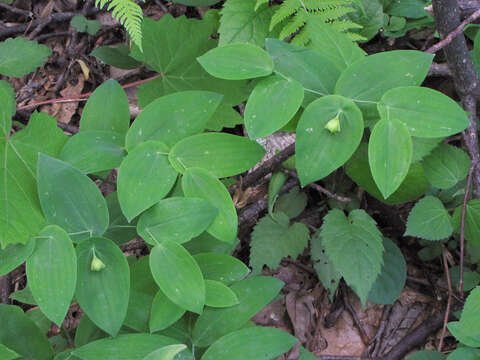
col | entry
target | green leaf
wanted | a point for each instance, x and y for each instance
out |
(87, 332)
(52, 272)
(390, 155)
(275, 184)
(242, 22)
(196, 2)
(82, 24)
(42, 322)
(119, 230)
(106, 109)
(164, 312)
(116, 56)
(21, 335)
(469, 339)
(177, 219)
(292, 203)
(407, 8)
(390, 282)
(329, 277)
(261, 118)
(178, 275)
(182, 114)
(470, 278)
(123, 347)
(207, 243)
(165, 353)
(320, 151)
(446, 166)
(144, 178)
(171, 46)
(237, 62)
(221, 267)
(429, 220)
(354, 237)
(7, 354)
(222, 154)
(200, 183)
(94, 151)
(218, 295)
(253, 295)
(369, 78)
(13, 256)
(103, 295)
(19, 56)
(273, 239)
(262, 343)
(225, 116)
(466, 330)
(313, 70)
(427, 355)
(24, 296)
(422, 147)
(18, 172)
(464, 353)
(426, 112)
(472, 221)
(70, 199)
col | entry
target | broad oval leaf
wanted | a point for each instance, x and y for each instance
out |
(253, 295)
(19, 56)
(119, 230)
(222, 154)
(221, 267)
(389, 155)
(391, 280)
(144, 178)
(166, 353)
(52, 272)
(94, 151)
(261, 118)
(429, 220)
(319, 151)
(463, 353)
(446, 166)
(173, 117)
(13, 256)
(259, 343)
(354, 237)
(178, 275)
(87, 332)
(103, 293)
(106, 110)
(426, 112)
(201, 183)
(427, 355)
(21, 335)
(70, 199)
(177, 219)
(164, 312)
(237, 62)
(219, 295)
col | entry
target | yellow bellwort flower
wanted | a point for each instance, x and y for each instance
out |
(334, 125)
(96, 264)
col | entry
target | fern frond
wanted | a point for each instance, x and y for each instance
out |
(129, 14)
(284, 11)
(293, 25)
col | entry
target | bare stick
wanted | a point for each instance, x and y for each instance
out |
(449, 301)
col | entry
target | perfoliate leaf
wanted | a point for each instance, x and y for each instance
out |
(446, 166)
(273, 239)
(237, 62)
(355, 237)
(19, 56)
(429, 220)
(390, 155)
(324, 268)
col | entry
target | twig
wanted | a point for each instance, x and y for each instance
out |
(470, 137)
(15, 10)
(162, 6)
(340, 357)
(321, 189)
(5, 289)
(381, 329)
(353, 314)
(453, 34)
(55, 34)
(440, 70)
(449, 301)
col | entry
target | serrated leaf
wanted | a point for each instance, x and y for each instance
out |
(390, 282)
(221, 267)
(446, 166)
(472, 221)
(222, 154)
(18, 172)
(201, 183)
(237, 62)
(13, 256)
(470, 278)
(272, 240)
(52, 272)
(324, 268)
(466, 330)
(354, 237)
(178, 275)
(164, 312)
(19, 56)
(251, 343)
(144, 178)
(106, 109)
(103, 295)
(173, 117)
(422, 147)
(429, 220)
(219, 295)
(243, 22)
(425, 112)
(82, 24)
(177, 219)
(292, 203)
(94, 151)
(389, 155)
(319, 151)
(253, 294)
(70, 199)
